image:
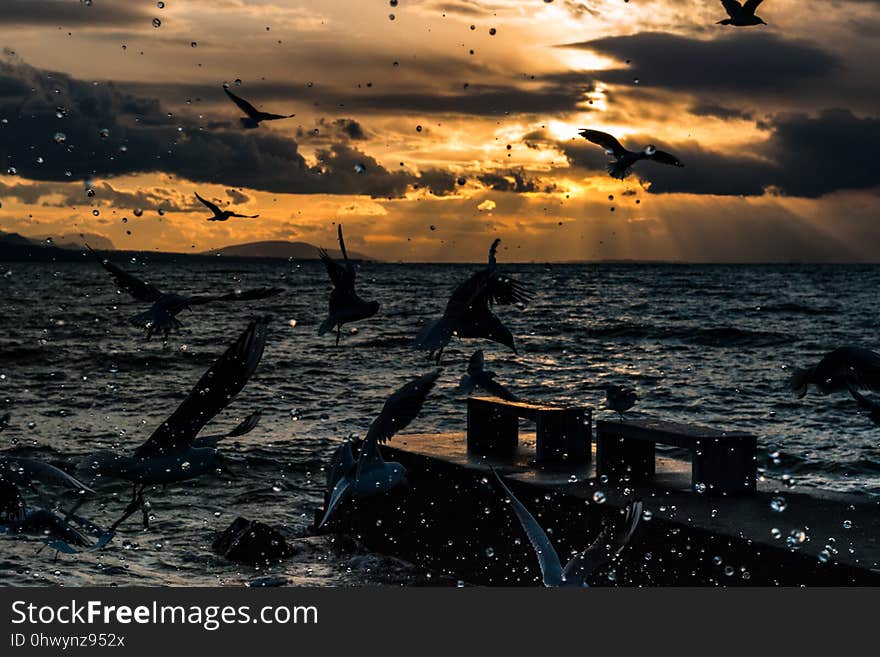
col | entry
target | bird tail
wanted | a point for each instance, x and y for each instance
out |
(155, 320)
(327, 325)
(617, 170)
(798, 381)
(434, 335)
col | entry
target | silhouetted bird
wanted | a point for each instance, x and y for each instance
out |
(608, 544)
(741, 15)
(254, 116)
(162, 314)
(173, 452)
(624, 159)
(244, 427)
(56, 530)
(370, 475)
(620, 399)
(222, 215)
(478, 377)
(345, 305)
(870, 406)
(837, 370)
(469, 313)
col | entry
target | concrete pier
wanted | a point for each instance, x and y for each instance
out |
(453, 519)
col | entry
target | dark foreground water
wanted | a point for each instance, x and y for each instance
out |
(702, 344)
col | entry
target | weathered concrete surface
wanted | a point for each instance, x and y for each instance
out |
(453, 519)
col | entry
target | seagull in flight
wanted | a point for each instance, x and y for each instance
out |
(345, 305)
(161, 317)
(254, 116)
(624, 159)
(741, 15)
(173, 453)
(620, 399)
(477, 376)
(370, 475)
(608, 544)
(222, 215)
(838, 370)
(58, 532)
(469, 313)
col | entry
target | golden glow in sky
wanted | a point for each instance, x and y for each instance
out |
(461, 115)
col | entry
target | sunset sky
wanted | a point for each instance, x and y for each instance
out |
(459, 115)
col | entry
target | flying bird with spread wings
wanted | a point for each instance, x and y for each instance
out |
(370, 474)
(161, 317)
(741, 15)
(222, 215)
(173, 452)
(254, 116)
(609, 543)
(468, 313)
(624, 159)
(57, 531)
(345, 304)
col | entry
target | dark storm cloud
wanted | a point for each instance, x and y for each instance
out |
(515, 181)
(737, 61)
(807, 156)
(717, 111)
(67, 13)
(478, 100)
(104, 131)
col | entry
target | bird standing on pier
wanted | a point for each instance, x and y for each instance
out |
(57, 531)
(625, 159)
(370, 475)
(254, 116)
(162, 314)
(608, 544)
(478, 377)
(345, 305)
(620, 399)
(222, 215)
(173, 452)
(741, 15)
(839, 369)
(468, 313)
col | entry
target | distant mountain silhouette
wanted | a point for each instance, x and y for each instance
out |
(280, 249)
(65, 241)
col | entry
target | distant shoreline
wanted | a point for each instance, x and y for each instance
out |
(39, 253)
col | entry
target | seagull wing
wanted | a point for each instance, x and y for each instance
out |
(245, 106)
(401, 408)
(611, 540)
(340, 490)
(25, 471)
(666, 158)
(551, 567)
(750, 6)
(864, 402)
(604, 140)
(140, 290)
(493, 251)
(214, 391)
(732, 7)
(246, 425)
(211, 206)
